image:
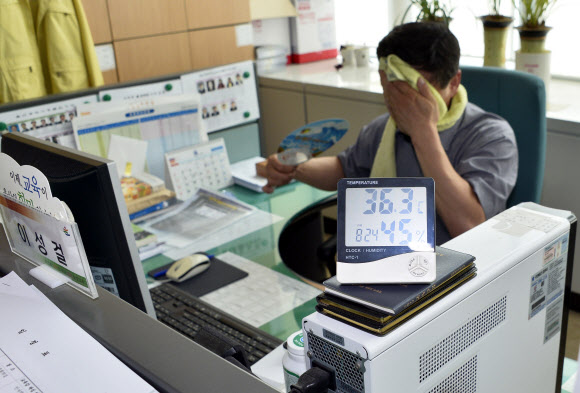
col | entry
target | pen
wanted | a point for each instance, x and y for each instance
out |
(159, 273)
(150, 246)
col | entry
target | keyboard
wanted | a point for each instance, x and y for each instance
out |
(187, 314)
(262, 296)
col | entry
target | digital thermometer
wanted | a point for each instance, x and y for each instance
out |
(386, 230)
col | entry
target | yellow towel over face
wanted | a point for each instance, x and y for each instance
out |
(396, 69)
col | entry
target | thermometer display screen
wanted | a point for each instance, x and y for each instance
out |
(385, 216)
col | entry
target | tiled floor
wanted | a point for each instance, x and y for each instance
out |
(573, 335)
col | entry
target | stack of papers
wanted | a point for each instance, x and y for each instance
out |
(42, 350)
(244, 173)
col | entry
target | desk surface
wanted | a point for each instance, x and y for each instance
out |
(569, 375)
(262, 246)
(167, 360)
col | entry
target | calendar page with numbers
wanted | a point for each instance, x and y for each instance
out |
(205, 165)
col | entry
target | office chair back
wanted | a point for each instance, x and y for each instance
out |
(305, 245)
(519, 98)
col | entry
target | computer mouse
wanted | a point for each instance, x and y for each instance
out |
(188, 267)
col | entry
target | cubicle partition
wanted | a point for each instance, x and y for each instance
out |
(228, 93)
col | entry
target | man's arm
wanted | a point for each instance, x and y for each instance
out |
(320, 172)
(416, 115)
(456, 202)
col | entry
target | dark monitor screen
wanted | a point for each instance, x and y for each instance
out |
(90, 186)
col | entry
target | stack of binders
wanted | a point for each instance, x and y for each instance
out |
(378, 309)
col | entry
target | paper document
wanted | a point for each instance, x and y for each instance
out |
(203, 214)
(228, 93)
(129, 154)
(166, 122)
(244, 173)
(256, 220)
(43, 351)
(51, 122)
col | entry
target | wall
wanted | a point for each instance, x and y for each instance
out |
(149, 38)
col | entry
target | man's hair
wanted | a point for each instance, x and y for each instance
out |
(426, 46)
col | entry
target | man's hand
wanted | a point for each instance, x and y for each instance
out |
(415, 112)
(277, 174)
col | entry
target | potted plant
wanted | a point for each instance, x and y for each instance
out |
(430, 11)
(532, 56)
(533, 30)
(495, 32)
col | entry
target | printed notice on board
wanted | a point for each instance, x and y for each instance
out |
(165, 122)
(228, 94)
(51, 122)
(547, 286)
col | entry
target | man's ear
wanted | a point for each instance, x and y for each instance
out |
(454, 83)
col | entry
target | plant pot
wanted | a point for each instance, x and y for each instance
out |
(532, 39)
(495, 32)
(535, 63)
(437, 19)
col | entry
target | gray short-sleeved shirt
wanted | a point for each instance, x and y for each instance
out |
(481, 147)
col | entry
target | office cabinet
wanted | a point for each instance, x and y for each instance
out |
(286, 105)
(357, 112)
(98, 18)
(211, 13)
(213, 47)
(110, 77)
(139, 18)
(281, 111)
(152, 56)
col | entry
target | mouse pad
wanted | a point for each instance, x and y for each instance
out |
(219, 274)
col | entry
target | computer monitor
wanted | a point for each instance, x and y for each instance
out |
(91, 188)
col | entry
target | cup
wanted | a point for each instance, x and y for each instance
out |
(348, 56)
(362, 56)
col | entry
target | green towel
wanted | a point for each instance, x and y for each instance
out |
(397, 70)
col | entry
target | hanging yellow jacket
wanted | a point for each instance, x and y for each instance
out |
(21, 75)
(66, 45)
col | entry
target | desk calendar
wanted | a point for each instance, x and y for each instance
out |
(205, 165)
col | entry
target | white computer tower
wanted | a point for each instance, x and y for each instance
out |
(499, 332)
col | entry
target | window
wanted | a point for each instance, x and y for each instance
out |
(365, 22)
(361, 22)
(563, 39)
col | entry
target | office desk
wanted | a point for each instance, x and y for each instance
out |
(262, 246)
(569, 375)
(167, 360)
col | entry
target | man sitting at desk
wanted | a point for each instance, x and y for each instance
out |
(431, 131)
